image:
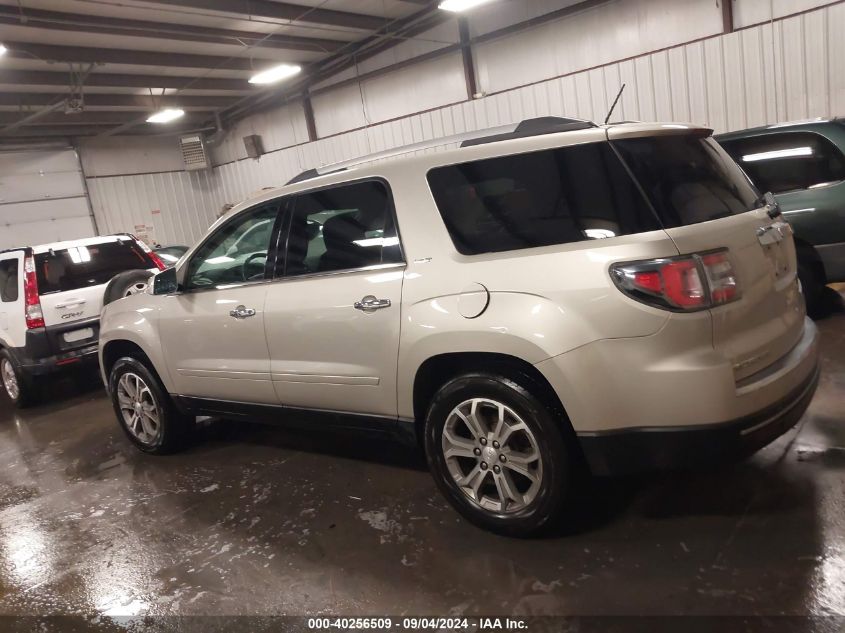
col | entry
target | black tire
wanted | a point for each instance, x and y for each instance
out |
(547, 508)
(122, 284)
(28, 392)
(174, 427)
(813, 289)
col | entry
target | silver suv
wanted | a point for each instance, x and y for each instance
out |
(548, 297)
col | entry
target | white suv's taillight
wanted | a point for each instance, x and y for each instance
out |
(32, 302)
(682, 284)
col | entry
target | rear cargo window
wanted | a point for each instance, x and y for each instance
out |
(82, 266)
(569, 194)
(788, 161)
(688, 179)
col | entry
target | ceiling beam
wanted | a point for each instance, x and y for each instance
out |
(88, 117)
(56, 20)
(89, 130)
(120, 101)
(123, 80)
(283, 11)
(49, 52)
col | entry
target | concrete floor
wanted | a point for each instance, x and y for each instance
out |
(258, 520)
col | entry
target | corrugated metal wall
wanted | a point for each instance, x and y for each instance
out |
(783, 70)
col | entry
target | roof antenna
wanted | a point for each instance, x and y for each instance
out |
(613, 107)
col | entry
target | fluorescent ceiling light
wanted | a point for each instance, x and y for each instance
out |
(461, 5)
(778, 153)
(277, 73)
(166, 116)
(3, 50)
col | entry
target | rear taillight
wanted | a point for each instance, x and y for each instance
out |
(683, 284)
(150, 253)
(157, 261)
(32, 302)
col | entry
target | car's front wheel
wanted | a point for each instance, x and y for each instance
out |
(498, 454)
(145, 410)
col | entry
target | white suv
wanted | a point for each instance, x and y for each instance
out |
(556, 295)
(50, 301)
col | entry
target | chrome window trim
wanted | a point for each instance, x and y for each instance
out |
(329, 273)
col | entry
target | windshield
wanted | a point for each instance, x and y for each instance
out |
(91, 265)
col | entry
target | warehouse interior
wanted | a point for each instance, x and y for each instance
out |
(255, 520)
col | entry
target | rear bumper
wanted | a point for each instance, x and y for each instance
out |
(46, 349)
(629, 451)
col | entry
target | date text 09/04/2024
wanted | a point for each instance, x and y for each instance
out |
(418, 623)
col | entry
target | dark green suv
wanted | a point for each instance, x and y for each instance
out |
(804, 166)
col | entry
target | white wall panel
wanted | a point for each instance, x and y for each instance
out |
(615, 30)
(279, 128)
(748, 12)
(775, 71)
(179, 206)
(112, 156)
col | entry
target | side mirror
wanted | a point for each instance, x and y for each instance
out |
(166, 282)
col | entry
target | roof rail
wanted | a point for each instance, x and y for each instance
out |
(528, 127)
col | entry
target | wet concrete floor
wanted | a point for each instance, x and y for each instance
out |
(260, 520)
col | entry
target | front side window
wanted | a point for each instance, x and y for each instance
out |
(341, 228)
(788, 161)
(9, 280)
(237, 252)
(544, 198)
(688, 179)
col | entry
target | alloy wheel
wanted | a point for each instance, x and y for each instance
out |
(10, 380)
(138, 407)
(492, 455)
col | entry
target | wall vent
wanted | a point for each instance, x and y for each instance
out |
(193, 152)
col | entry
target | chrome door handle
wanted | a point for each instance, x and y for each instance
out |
(370, 303)
(70, 304)
(242, 312)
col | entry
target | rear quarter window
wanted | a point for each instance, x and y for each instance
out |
(9, 280)
(688, 179)
(91, 265)
(544, 198)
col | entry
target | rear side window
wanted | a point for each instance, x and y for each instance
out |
(82, 266)
(341, 228)
(789, 161)
(688, 179)
(9, 280)
(557, 196)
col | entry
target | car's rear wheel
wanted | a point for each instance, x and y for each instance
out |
(498, 454)
(144, 409)
(20, 388)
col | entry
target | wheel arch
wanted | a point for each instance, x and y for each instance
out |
(437, 370)
(116, 349)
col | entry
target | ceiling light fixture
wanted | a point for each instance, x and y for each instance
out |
(457, 6)
(3, 50)
(166, 116)
(277, 73)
